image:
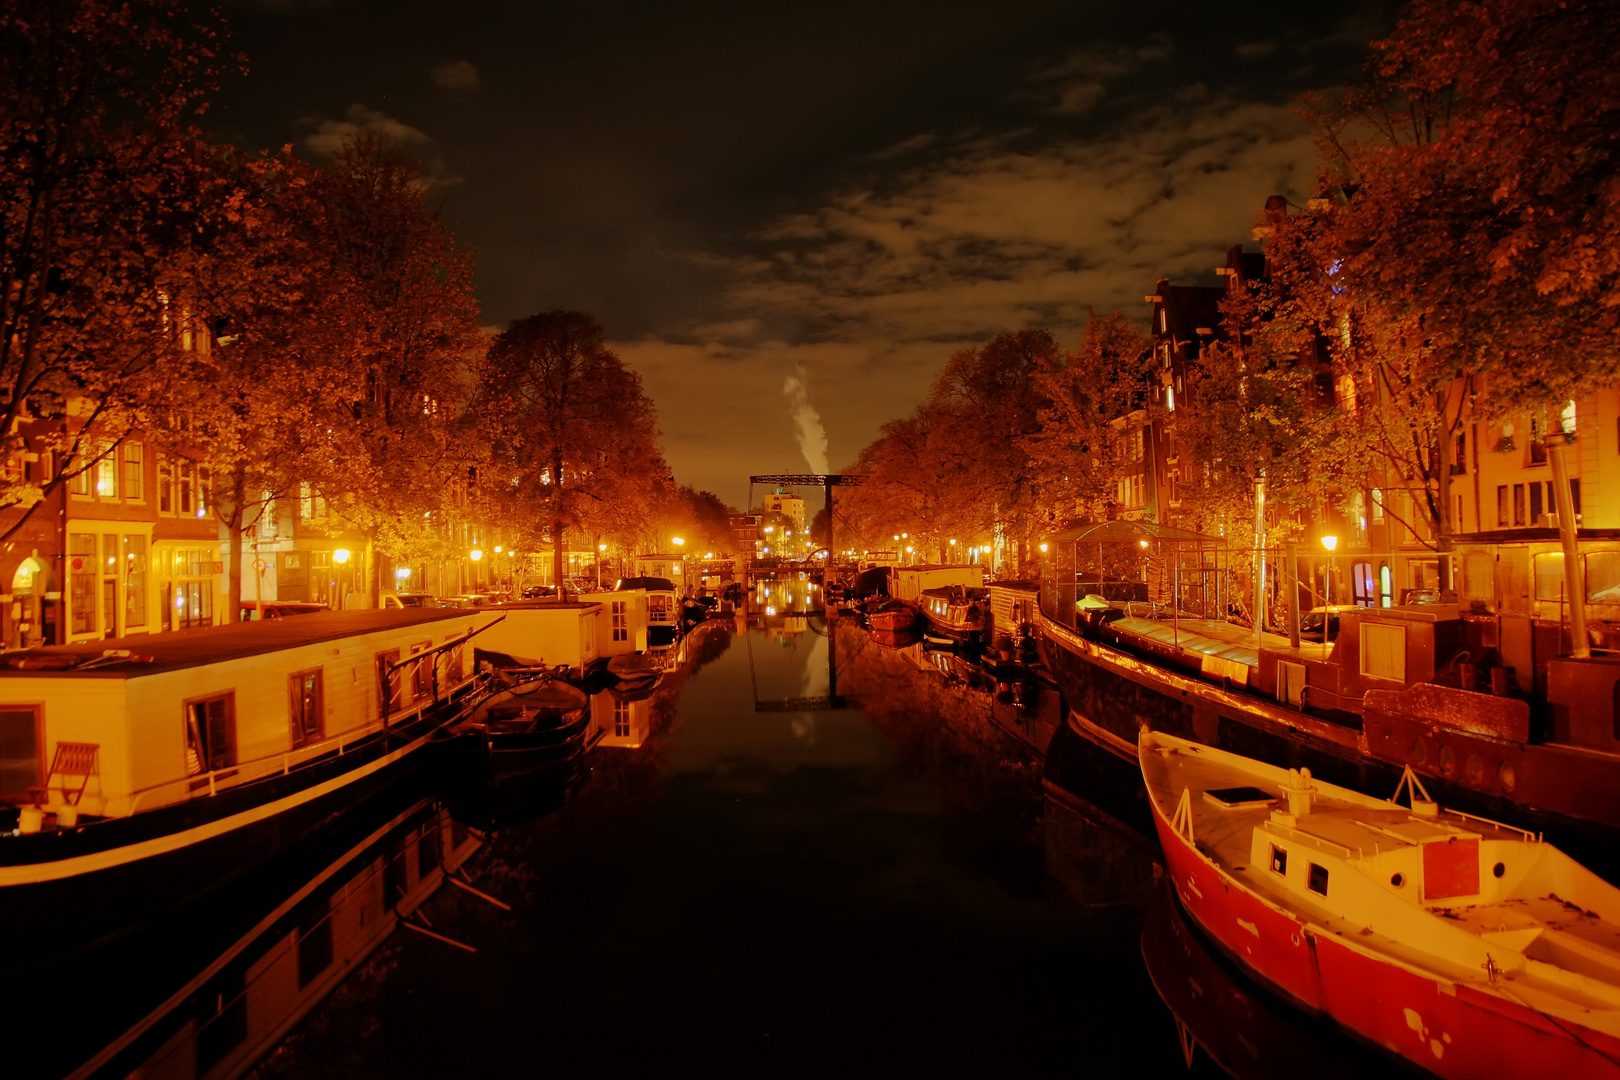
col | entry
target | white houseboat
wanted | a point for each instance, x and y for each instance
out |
(144, 772)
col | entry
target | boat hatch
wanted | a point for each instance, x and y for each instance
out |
(1239, 798)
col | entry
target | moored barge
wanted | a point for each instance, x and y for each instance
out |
(145, 772)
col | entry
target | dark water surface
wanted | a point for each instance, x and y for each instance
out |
(788, 892)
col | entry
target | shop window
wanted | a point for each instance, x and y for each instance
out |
(306, 710)
(82, 577)
(134, 581)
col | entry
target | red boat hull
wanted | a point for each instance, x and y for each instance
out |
(1449, 1029)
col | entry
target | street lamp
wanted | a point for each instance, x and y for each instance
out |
(475, 554)
(1331, 543)
(677, 541)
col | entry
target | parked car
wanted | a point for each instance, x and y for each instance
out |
(466, 601)
(409, 599)
(1310, 624)
(255, 610)
(538, 592)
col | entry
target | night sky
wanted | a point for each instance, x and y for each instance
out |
(745, 194)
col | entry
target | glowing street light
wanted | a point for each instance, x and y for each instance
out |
(1331, 543)
(497, 549)
(475, 554)
(1043, 549)
(601, 547)
(340, 556)
(678, 541)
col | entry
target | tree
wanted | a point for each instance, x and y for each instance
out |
(1076, 453)
(1465, 254)
(572, 439)
(414, 338)
(98, 105)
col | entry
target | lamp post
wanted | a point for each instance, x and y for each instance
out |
(340, 559)
(1331, 543)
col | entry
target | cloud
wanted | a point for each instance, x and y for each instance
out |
(458, 79)
(1255, 50)
(1077, 82)
(330, 135)
(882, 281)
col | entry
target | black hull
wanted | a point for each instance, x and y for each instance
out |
(44, 919)
(1122, 699)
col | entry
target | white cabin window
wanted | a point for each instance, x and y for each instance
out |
(306, 711)
(1383, 651)
(19, 752)
(621, 719)
(621, 621)
(210, 734)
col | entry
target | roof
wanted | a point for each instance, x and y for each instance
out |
(215, 644)
(651, 584)
(1120, 531)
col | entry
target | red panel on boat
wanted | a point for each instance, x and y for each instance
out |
(1451, 868)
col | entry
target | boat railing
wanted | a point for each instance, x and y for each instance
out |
(211, 783)
(1529, 836)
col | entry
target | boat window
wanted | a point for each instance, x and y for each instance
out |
(390, 689)
(1383, 651)
(1279, 860)
(1316, 880)
(19, 752)
(1603, 577)
(454, 671)
(210, 734)
(306, 711)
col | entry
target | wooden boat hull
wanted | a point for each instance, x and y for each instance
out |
(894, 621)
(1118, 695)
(1450, 1029)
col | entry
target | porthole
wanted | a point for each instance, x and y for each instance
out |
(1505, 774)
(1419, 751)
(1397, 880)
(1448, 761)
(1499, 869)
(1476, 769)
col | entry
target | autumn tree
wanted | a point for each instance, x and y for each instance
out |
(1464, 254)
(412, 332)
(1076, 452)
(572, 439)
(98, 105)
(265, 387)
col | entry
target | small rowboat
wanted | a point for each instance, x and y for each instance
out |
(533, 727)
(893, 617)
(1467, 947)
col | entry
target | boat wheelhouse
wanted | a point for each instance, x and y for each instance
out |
(957, 612)
(153, 769)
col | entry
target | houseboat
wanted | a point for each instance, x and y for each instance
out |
(957, 613)
(663, 608)
(154, 769)
(1467, 947)
(1480, 696)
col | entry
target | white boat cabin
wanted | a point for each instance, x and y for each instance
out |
(150, 721)
(621, 627)
(909, 582)
(545, 631)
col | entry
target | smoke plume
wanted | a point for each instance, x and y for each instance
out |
(812, 436)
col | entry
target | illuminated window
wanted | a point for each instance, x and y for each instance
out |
(107, 476)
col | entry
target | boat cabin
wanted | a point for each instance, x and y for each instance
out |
(663, 607)
(112, 728)
(621, 627)
(544, 631)
(908, 583)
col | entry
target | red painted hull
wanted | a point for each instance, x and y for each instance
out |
(893, 622)
(1449, 1029)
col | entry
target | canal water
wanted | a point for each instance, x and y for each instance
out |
(805, 853)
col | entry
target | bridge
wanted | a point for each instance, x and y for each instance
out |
(825, 481)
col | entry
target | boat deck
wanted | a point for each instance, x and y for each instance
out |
(1212, 637)
(1578, 949)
